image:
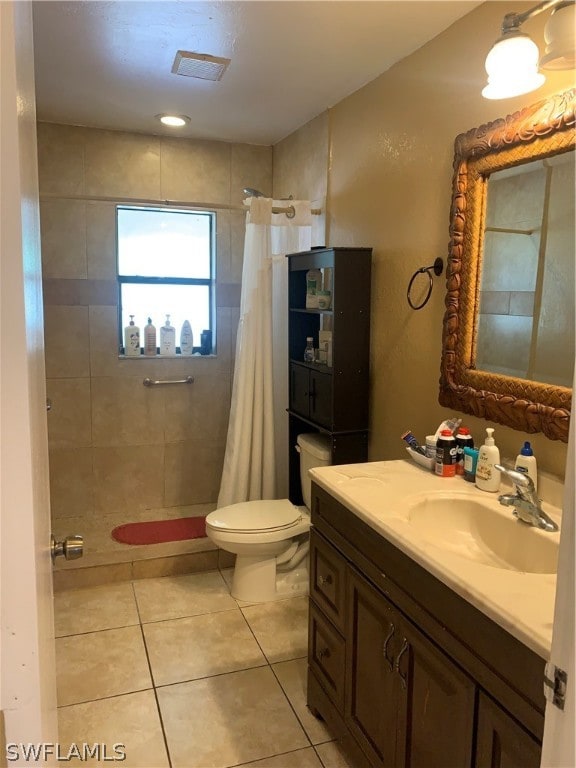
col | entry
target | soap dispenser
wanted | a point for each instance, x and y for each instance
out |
(167, 338)
(487, 476)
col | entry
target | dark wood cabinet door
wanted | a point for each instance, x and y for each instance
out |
(321, 398)
(371, 684)
(326, 652)
(300, 389)
(436, 705)
(501, 741)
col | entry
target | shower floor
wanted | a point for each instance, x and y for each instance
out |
(101, 549)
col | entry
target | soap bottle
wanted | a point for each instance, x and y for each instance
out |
(150, 339)
(132, 338)
(526, 462)
(487, 476)
(186, 339)
(167, 338)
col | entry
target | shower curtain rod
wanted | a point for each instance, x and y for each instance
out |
(172, 203)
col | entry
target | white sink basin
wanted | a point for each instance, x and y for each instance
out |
(483, 531)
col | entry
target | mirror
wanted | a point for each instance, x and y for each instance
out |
(508, 338)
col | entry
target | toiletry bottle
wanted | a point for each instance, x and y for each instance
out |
(186, 339)
(470, 461)
(487, 476)
(131, 338)
(206, 342)
(309, 351)
(167, 338)
(445, 454)
(463, 439)
(149, 339)
(526, 462)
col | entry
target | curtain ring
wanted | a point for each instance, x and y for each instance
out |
(291, 212)
(438, 268)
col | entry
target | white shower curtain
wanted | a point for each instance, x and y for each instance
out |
(256, 459)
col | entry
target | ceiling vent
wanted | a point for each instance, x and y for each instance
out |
(200, 65)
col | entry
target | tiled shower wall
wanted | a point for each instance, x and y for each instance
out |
(115, 445)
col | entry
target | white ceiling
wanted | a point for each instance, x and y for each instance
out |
(107, 64)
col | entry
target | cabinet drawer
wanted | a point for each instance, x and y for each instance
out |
(326, 654)
(327, 579)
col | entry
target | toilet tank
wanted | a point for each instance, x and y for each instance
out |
(315, 451)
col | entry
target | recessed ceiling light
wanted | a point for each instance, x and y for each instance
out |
(174, 121)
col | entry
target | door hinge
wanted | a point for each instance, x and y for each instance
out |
(555, 682)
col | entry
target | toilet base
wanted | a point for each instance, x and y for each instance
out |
(255, 580)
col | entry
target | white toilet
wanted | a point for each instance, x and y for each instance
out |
(270, 538)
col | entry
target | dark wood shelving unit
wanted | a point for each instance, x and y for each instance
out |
(332, 400)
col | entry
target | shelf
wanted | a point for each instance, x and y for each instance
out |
(325, 430)
(312, 311)
(322, 367)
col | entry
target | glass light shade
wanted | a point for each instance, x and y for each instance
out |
(174, 121)
(512, 67)
(560, 34)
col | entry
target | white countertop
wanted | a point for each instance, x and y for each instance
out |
(381, 494)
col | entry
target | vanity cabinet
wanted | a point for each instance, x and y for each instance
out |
(332, 399)
(402, 668)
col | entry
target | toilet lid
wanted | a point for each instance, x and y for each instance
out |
(268, 515)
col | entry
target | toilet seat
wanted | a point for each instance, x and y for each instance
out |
(252, 517)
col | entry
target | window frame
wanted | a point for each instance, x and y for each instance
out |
(210, 282)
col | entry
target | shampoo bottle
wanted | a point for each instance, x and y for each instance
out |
(526, 462)
(487, 476)
(167, 338)
(149, 339)
(186, 339)
(131, 338)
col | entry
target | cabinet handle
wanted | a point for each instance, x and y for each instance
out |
(325, 579)
(401, 653)
(324, 653)
(389, 637)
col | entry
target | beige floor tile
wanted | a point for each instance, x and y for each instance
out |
(331, 755)
(227, 720)
(173, 597)
(281, 628)
(94, 608)
(131, 720)
(293, 677)
(200, 646)
(101, 664)
(301, 758)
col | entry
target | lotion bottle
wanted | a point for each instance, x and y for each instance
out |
(487, 476)
(132, 338)
(167, 338)
(526, 462)
(150, 339)
(186, 339)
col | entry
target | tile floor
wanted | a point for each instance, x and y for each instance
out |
(184, 676)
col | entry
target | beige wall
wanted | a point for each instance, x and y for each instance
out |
(389, 185)
(116, 446)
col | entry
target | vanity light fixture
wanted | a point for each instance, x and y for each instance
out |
(512, 64)
(174, 121)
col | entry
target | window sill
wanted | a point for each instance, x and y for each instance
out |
(195, 356)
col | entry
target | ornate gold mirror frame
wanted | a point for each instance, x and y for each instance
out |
(541, 130)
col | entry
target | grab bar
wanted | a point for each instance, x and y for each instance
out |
(151, 383)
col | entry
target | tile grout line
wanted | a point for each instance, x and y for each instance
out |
(164, 737)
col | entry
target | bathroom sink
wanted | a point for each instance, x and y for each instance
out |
(480, 531)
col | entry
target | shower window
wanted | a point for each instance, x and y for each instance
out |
(166, 267)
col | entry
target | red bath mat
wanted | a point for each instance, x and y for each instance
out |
(161, 531)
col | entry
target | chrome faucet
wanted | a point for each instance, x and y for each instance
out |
(525, 501)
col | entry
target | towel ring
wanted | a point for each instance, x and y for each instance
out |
(438, 268)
